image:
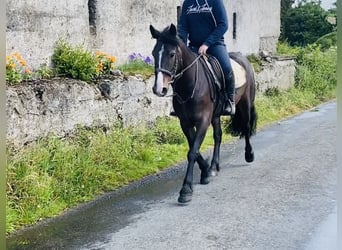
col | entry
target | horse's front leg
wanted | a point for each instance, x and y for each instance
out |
(203, 164)
(195, 140)
(215, 162)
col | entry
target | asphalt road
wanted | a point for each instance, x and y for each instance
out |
(285, 199)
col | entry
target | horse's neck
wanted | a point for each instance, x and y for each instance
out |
(189, 68)
(187, 84)
(188, 57)
(188, 65)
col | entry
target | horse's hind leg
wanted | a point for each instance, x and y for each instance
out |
(251, 124)
(249, 154)
(215, 162)
(248, 119)
(244, 123)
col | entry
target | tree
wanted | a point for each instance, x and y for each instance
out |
(286, 5)
(304, 23)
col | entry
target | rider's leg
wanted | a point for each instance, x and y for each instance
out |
(221, 54)
(230, 94)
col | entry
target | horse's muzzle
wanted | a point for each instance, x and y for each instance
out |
(161, 84)
(161, 93)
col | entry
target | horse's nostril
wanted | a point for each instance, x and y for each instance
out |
(164, 91)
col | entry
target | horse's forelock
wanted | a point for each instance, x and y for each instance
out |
(166, 37)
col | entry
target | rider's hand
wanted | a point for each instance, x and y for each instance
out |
(203, 49)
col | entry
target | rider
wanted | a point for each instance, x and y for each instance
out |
(203, 23)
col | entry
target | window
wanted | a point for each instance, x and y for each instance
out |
(179, 10)
(234, 25)
(92, 16)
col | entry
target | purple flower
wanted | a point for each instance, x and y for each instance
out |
(148, 60)
(132, 57)
(139, 57)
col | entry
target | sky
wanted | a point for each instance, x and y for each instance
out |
(327, 4)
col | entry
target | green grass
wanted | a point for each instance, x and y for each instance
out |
(52, 175)
(137, 67)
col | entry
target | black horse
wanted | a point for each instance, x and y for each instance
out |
(198, 100)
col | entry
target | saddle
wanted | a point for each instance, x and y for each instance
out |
(215, 70)
(215, 73)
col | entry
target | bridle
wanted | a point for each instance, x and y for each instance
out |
(173, 73)
(175, 76)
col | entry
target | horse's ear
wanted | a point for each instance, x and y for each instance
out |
(173, 30)
(155, 33)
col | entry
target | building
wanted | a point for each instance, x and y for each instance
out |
(121, 27)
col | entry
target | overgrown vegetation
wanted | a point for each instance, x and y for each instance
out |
(54, 174)
(78, 63)
(256, 62)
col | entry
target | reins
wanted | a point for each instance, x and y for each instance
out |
(175, 77)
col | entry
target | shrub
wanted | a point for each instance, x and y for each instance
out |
(316, 70)
(74, 62)
(283, 48)
(327, 40)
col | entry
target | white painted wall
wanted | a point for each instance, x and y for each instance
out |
(33, 26)
(257, 24)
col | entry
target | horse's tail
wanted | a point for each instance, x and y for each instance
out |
(244, 122)
(237, 125)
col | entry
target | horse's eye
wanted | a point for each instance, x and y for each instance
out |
(172, 54)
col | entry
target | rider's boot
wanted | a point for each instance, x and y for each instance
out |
(229, 108)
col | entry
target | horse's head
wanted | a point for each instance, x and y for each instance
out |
(165, 58)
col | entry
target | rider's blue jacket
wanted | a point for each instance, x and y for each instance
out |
(203, 22)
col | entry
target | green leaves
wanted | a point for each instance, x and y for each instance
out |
(74, 62)
(303, 24)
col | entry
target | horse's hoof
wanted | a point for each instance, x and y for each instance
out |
(184, 198)
(204, 180)
(249, 157)
(213, 173)
(185, 195)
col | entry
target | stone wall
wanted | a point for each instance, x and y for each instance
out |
(59, 106)
(279, 73)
